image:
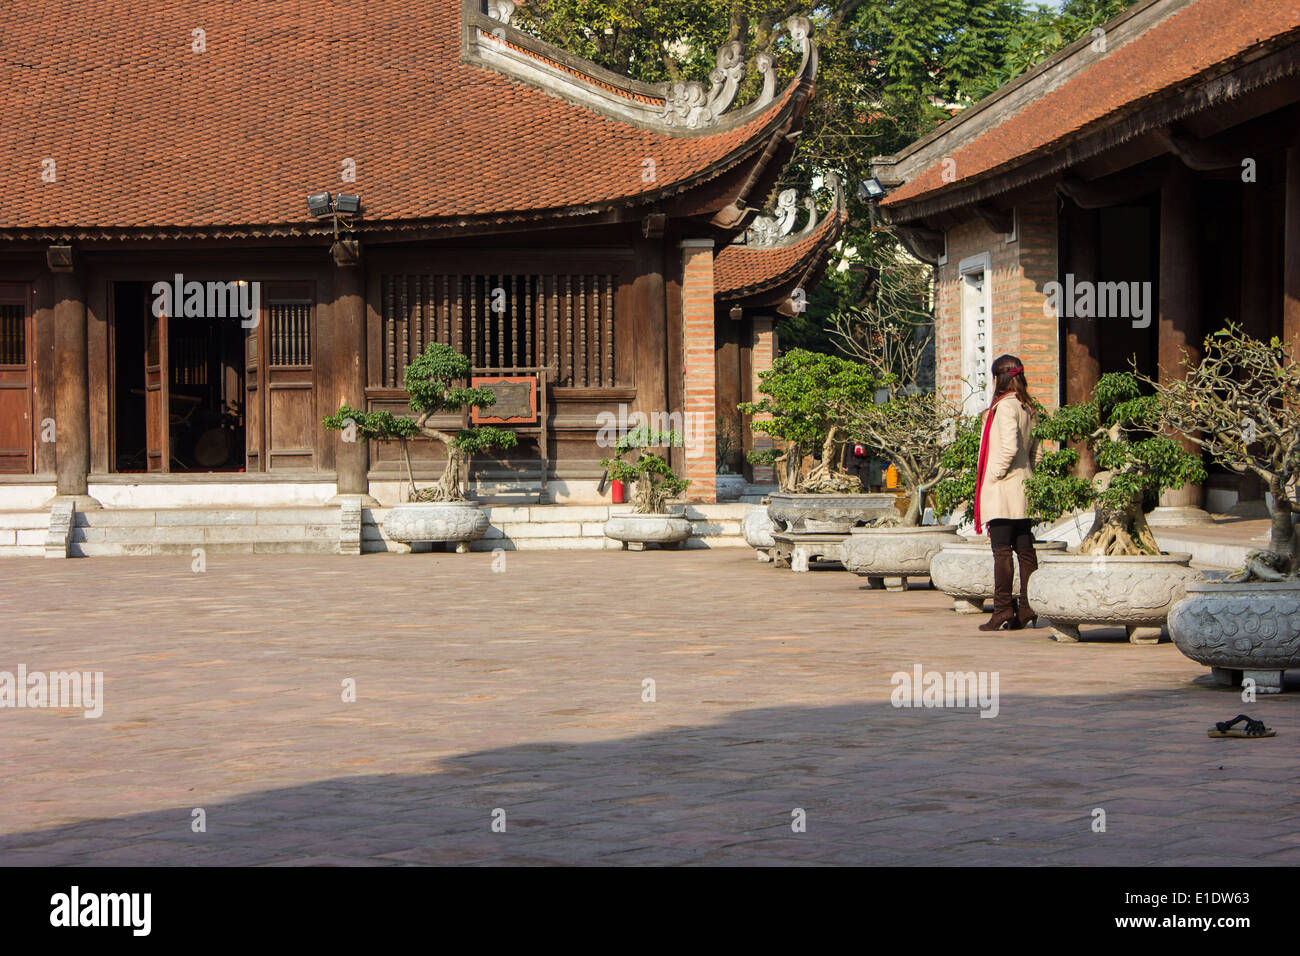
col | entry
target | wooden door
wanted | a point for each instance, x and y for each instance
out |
(253, 395)
(17, 435)
(157, 395)
(288, 354)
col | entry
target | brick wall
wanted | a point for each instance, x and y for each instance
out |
(699, 368)
(1017, 272)
(763, 351)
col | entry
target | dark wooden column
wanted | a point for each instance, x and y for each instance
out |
(1082, 351)
(348, 343)
(1180, 317)
(1291, 254)
(72, 389)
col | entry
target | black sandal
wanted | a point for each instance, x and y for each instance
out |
(1252, 728)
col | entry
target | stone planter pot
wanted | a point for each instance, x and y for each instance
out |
(636, 531)
(964, 570)
(729, 487)
(417, 521)
(1240, 631)
(838, 514)
(1134, 592)
(757, 528)
(887, 557)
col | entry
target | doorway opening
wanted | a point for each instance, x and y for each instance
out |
(179, 388)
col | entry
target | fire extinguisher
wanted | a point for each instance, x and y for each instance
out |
(616, 491)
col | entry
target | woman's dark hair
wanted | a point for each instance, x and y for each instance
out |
(1009, 376)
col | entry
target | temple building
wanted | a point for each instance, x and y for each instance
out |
(1122, 200)
(176, 317)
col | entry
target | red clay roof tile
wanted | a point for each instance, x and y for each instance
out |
(1175, 50)
(145, 132)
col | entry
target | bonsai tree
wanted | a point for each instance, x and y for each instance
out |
(954, 493)
(432, 384)
(911, 430)
(1121, 427)
(810, 397)
(656, 482)
(1241, 403)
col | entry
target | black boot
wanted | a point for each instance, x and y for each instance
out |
(1004, 607)
(1025, 614)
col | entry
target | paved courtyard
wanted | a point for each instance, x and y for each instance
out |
(516, 695)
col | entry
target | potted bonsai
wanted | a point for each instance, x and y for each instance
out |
(911, 429)
(964, 568)
(440, 512)
(807, 398)
(1241, 404)
(1119, 575)
(654, 484)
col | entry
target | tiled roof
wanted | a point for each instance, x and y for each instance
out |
(741, 270)
(1179, 48)
(146, 133)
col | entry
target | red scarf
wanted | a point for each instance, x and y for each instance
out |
(984, 458)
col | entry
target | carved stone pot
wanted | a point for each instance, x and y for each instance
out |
(730, 487)
(636, 531)
(1134, 592)
(1241, 631)
(886, 557)
(458, 521)
(964, 569)
(757, 528)
(828, 513)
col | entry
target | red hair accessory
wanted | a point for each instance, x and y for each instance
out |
(1012, 371)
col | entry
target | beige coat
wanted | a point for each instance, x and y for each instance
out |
(1010, 462)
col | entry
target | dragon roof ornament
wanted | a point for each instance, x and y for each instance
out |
(685, 105)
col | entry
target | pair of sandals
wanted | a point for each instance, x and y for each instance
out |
(1250, 729)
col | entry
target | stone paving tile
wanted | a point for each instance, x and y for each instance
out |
(522, 691)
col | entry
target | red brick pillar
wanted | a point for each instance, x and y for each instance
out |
(699, 374)
(762, 352)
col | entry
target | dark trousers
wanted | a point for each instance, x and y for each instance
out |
(1011, 537)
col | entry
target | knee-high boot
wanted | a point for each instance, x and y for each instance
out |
(1026, 615)
(1004, 609)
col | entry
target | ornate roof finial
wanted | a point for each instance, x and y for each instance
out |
(501, 10)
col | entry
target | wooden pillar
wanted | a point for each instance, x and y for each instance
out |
(1180, 320)
(651, 353)
(699, 380)
(762, 352)
(1082, 343)
(1291, 254)
(72, 389)
(348, 343)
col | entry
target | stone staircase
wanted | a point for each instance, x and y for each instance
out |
(320, 529)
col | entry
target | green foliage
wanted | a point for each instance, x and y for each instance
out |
(960, 460)
(1119, 424)
(433, 386)
(811, 398)
(655, 481)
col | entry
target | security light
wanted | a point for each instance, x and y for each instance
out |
(870, 189)
(321, 205)
(347, 204)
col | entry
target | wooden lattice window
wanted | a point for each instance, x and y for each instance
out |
(504, 321)
(13, 335)
(289, 331)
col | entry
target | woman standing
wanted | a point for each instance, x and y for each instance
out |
(1005, 461)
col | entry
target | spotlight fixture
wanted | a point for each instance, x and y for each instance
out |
(870, 190)
(345, 205)
(320, 205)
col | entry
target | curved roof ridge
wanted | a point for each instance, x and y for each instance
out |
(744, 270)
